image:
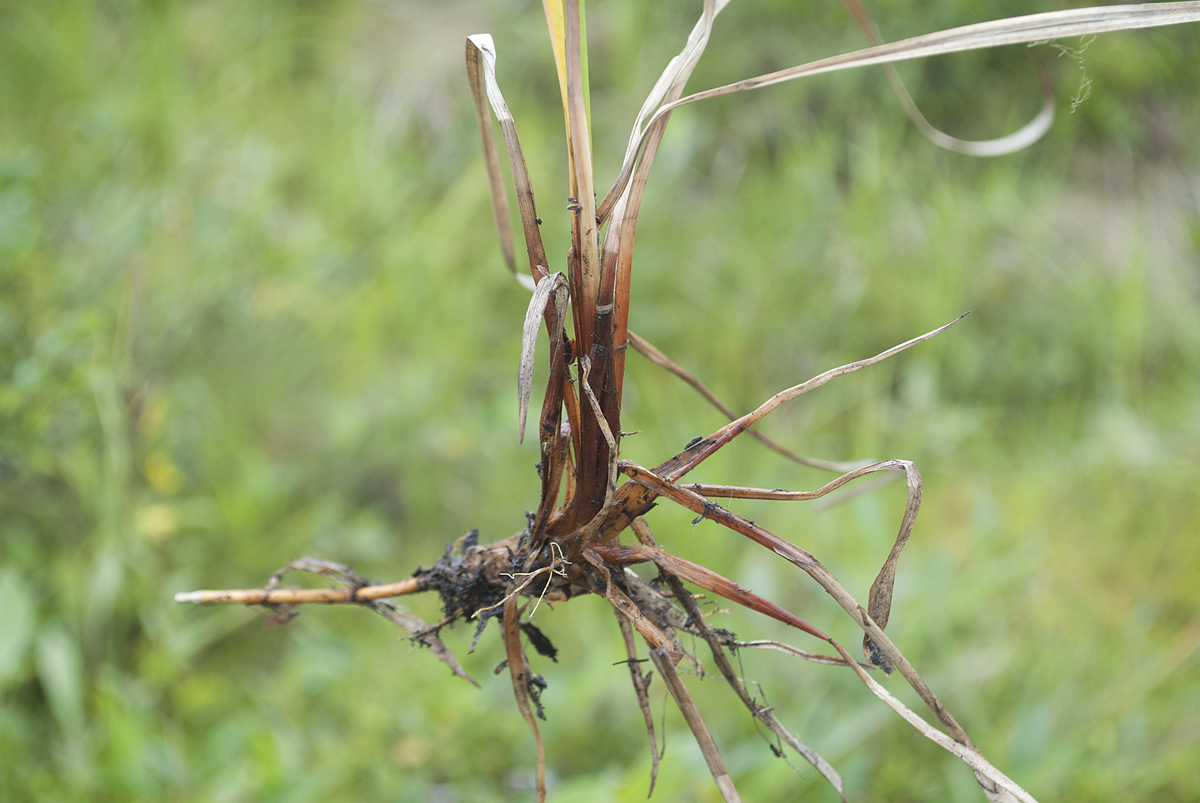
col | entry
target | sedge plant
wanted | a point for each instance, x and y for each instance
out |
(590, 524)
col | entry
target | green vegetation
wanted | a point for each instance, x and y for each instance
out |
(252, 308)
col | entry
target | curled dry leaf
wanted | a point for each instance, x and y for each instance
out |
(554, 286)
(1013, 31)
(481, 73)
(1020, 139)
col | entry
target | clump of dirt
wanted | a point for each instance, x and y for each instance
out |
(469, 577)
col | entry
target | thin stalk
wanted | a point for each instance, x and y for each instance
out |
(295, 596)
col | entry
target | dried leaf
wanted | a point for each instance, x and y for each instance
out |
(555, 285)
(1012, 31)
(422, 634)
(501, 214)
(1028, 134)
(880, 600)
(481, 73)
(616, 263)
(879, 603)
(717, 645)
(813, 567)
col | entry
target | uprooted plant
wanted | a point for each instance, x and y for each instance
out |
(571, 545)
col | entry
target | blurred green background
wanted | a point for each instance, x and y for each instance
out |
(252, 308)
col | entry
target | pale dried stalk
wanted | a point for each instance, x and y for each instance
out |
(297, 596)
(283, 601)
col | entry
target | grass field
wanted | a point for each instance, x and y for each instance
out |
(252, 308)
